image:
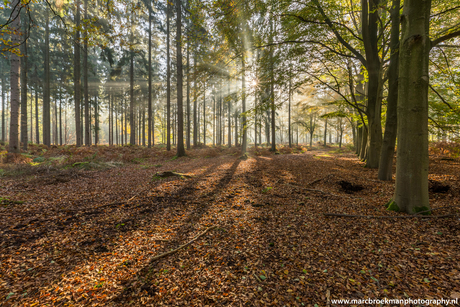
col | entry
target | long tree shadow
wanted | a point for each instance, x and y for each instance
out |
(144, 274)
(126, 218)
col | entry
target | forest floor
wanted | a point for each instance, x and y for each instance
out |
(82, 227)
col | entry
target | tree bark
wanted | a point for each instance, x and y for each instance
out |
(149, 136)
(289, 110)
(168, 82)
(370, 39)
(132, 122)
(389, 139)
(85, 77)
(15, 63)
(188, 89)
(96, 121)
(24, 137)
(325, 132)
(204, 114)
(195, 114)
(180, 107)
(37, 131)
(243, 103)
(229, 104)
(46, 90)
(77, 88)
(3, 102)
(411, 192)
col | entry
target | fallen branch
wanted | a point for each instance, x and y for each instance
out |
(319, 191)
(444, 207)
(182, 246)
(390, 217)
(169, 174)
(318, 180)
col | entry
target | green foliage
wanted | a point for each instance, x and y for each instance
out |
(423, 208)
(38, 160)
(392, 206)
(267, 189)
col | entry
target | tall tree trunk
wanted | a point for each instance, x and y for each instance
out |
(180, 107)
(55, 131)
(15, 63)
(214, 119)
(195, 114)
(132, 139)
(77, 87)
(364, 143)
(204, 114)
(236, 128)
(243, 104)
(389, 139)
(168, 82)
(24, 137)
(273, 109)
(96, 121)
(325, 131)
(370, 21)
(289, 111)
(188, 88)
(143, 125)
(31, 137)
(150, 83)
(37, 130)
(60, 120)
(116, 124)
(46, 90)
(229, 102)
(85, 77)
(3, 103)
(411, 192)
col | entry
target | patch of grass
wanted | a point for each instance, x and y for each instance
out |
(158, 165)
(267, 189)
(38, 160)
(137, 160)
(6, 201)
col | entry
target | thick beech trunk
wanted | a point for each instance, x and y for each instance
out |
(411, 192)
(389, 139)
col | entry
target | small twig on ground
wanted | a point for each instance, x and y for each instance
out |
(256, 277)
(319, 191)
(390, 217)
(318, 180)
(182, 246)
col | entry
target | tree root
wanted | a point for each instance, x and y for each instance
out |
(182, 246)
(391, 217)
